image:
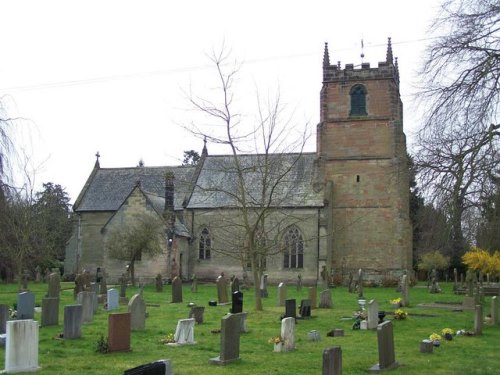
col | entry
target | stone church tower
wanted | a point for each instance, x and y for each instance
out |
(361, 155)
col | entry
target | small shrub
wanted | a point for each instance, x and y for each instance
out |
(102, 345)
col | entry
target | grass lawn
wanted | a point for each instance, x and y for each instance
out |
(462, 355)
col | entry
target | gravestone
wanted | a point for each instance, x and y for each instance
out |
(137, 310)
(299, 282)
(281, 294)
(194, 284)
(113, 299)
(94, 289)
(313, 335)
(235, 285)
(25, 305)
(79, 285)
(305, 309)
(478, 320)
(290, 309)
(288, 334)
(386, 354)
(494, 311)
(123, 289)
(103, 288)
(184, 332)
(38, 274)
(229, 340)
(72, 322)
(243, 321)
(405, 291)
(263, 286)
(54, 284)
(4, 316)
(176, 290)
(196, 312)
(332, 361)
(313, 296)
(119, 332)
(86, 300)
(237, 302)
(372, 318)
(350, 283)
(222, 289)
(161, 367)
(426, 346)
(159, 283)
(50, 312)
(21, 348)
(360, 283)
(325, 299)
(455, 279)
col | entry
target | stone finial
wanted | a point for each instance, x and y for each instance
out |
(389, 58)
(326, 56)
(204, 152)
(97, 164)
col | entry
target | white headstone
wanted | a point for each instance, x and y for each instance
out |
(288, 334)
(372, 314)
(21, 352)
(113, 299)
(184, 333)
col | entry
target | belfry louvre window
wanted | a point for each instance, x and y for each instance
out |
(205, 244)
(358, 101)
(293, 248)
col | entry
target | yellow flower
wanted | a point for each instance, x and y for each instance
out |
(400, 314)
(275, 340)
(434, 337)
(395, 301)
(445, 331)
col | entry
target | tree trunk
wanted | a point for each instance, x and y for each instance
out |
(132, 273)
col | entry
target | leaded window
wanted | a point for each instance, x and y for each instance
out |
(205, 244)
(293, 243)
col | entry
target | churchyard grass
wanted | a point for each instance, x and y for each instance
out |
(464, 355)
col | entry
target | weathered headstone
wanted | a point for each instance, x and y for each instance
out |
(21, 349)
(469, 280)
(386, 354)
(325, 299)
(332, 361)
(113, 299)
(79, 285)
(196, 312)
(290, 309)
(288, 334)
(25, 305)
(4, 316)
(478, 320)
(119, 332)
(299, 282)
(305, 309)
(426, 346)
(222, 289)
(194, 284)
(313, 335)
(281, 294)
(494, 310)
(137, 310)
(229, 340)
(50, 312)
(72, 322)
(405, 291)
(159, 283)
(184, 332)
(263, 286)
(325, 278)
(176, 290)
(360, 283)
(103, 288)
(350, 283)
(123, 280)
(161, 367)
(54, 285)
(237, 302)
(86, 300)
(94, 289)
(313, 296)
(38, 274)
(372, 317)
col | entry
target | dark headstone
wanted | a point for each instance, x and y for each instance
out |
(332, 361)
(25, 305)
(237, 303)
(196, 312)
(72, 322)
(426, 346)
(305, 309)
(161, 367)
(386, 354)
(325, 299)
(176, 290)
(4, 316)
(119, 332)
(229, 340)
(290, 308)
(50, 311)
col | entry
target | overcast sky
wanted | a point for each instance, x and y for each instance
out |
(111, 76)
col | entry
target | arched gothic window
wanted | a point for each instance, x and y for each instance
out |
(205, 244)
(358, 101)
(294, 248)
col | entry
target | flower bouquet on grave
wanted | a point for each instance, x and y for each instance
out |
(168, 339)
(396, 302)
(436, 339)
(400, 314)
(447, 333)
(277, 341)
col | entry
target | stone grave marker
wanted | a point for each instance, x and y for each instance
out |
(235, 285)
(243, 321)
(305, 309)
(478, 320)
(103, 287)
(350, 283)
(372, 317)
(237, 302)
(54, 285)
(386, 354)
(79, 285)
(288, 334)
(94, 289)
(281, 294)
(196, 312)
(86, 300)
(229, 340)
(159, 283)
(38, 274)
(72, 322)
(25, 305)
(50, 311)
(184, 332)
(119, 332)
(494, 311)
(426, 346)
(123, 289)
(176, 290)
(332, 361)
(194, 284)
(313, 296)
(360, 283)
(161, 367)
(113, 299)
(21, 348)
(290, 309)
(222, 289)
(325, 299)
(405, 291)
(455, 279)
(137, 310)
(299, 282)
(263, 286)
(4, 316)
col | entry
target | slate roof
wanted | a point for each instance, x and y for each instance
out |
(291, 175)
(107, 188)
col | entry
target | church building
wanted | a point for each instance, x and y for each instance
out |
(339, 209)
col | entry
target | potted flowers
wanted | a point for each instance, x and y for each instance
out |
(436, 339)
(400, 314)
(447, 333)
(277, 341)
(396, 302)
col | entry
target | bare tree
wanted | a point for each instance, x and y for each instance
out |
(253, 187)
(457, 148)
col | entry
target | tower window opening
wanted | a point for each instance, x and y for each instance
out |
(358, 101)
(357, 178)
